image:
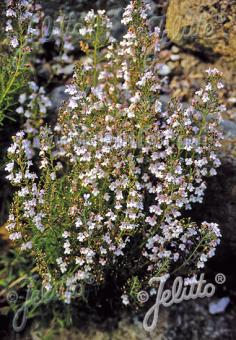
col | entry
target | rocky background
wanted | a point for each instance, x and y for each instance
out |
(196, 35)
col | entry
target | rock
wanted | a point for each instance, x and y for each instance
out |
(126, 328)
(66, 70)
(115, 14)
(164, 70)
(205, 26)
(232, 100)
(219, 306)
(57, 96)
(185, 321)
(229, 128)
(191, 321)
(175, 49)
(44, 71)
(175, 57)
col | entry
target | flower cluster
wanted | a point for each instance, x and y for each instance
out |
(22, 17)
(34, 106)
(24, 30)
(118, 171)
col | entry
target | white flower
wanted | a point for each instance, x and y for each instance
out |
(9, 167)
(78, 223)
(190, 280)
(79, 261)
(14, 42)
(38, 221)
(73, 103)
(22, 98)
(10, 13)
(67, 247)
(220, 85)
(66, 234)
(59, 261)
(125, 299)
(188, 161)
(67, 297)
(27, 245)
(81, 237)
(9, 27)
(15, 236)
(199, 93)
(53, 176)
(158, 106)
(20, 110)
(127, 16)
(48, 286)
(212, 71)
(33, 86)
(208, 87)
(205, 98)
(71, 89)
(83, 31)
(106, 197)
(23, 192)
(89, 16)
(200, 264)
(213, 172)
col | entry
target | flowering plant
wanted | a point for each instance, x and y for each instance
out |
(119, 169)
(14, 55)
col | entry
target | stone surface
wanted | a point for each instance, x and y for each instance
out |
(229, 128)
(191, 320)
(127, 327)
(118, 29)
(205, 26)
(188, 320)
(57, 97)
(219, 306)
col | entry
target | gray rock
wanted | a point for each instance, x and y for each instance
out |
(229, 128)
(67, 70)
(57, 96)
(115, 14)
(219, 306)
(190, 320)
(44, 71)
(165, 100)
(164, 70)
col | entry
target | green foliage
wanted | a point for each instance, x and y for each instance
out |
(13, 79)
(13, 64)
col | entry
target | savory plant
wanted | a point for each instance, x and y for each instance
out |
(14, 53)
(106, 196)
(24, 34)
